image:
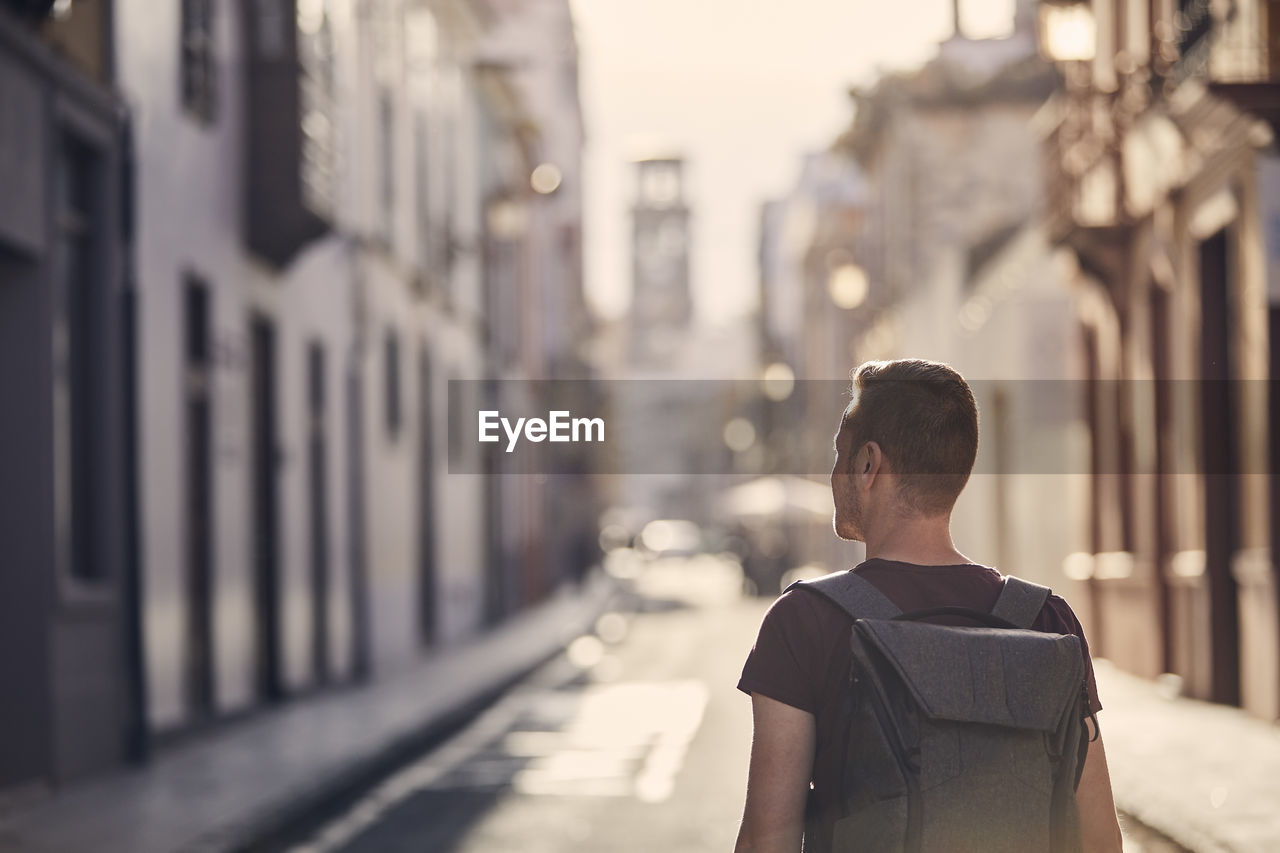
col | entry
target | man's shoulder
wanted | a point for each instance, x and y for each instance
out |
(806, 609)
(798, 600)
(1058, 609)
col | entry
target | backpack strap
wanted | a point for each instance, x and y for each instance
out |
(1020, 601)
(852, 593)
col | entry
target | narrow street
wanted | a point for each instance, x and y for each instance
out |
(393, 392)
(636, 741)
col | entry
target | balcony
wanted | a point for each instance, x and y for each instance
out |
(1244, 65)
(289, 164)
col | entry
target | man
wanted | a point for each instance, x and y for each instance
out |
(904, 451)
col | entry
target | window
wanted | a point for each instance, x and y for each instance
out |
(386, 166)
(199, 76)
(422, 196)
(449, 192)
(316, 88)
(391, 359)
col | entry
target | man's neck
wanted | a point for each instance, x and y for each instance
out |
(922, 541)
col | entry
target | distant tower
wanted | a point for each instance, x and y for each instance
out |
(660, 301)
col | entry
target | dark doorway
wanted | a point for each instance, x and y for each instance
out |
(1273, 450)
(82, 309)
(361, 650)
(266, 522)
(1094, 421)
(1164, 465)
(139, 729)
(426, 501)
(318, 510)
(198, 502)
(1221, 465)
(65, 680)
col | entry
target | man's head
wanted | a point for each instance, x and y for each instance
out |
(905, 446)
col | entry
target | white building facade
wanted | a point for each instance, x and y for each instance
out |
(310, 257)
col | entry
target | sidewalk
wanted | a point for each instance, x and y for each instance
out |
(224, 791)
(1207, 776)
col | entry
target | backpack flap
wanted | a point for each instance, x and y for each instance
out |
(1005, 677)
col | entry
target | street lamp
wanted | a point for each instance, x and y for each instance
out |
(1068, 32)
(545, 178)
(847, 285)
(778, 381)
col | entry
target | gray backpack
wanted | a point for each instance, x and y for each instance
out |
(956, 738)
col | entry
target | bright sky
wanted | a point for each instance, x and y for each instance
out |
(742, 89)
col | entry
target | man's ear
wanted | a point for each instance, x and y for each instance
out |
(870, 458)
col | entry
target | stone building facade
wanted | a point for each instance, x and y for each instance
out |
(1161, 172)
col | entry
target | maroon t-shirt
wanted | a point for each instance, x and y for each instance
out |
(801, 655)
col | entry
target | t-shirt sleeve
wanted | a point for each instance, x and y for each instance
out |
(1064, 621)
(783, 662)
